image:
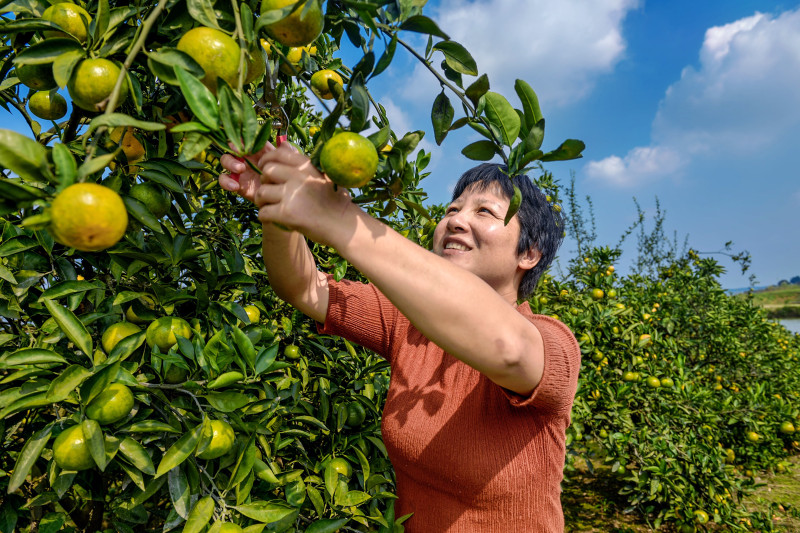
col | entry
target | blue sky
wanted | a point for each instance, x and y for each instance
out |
(695, 103)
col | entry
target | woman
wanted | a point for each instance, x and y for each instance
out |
(481, 389)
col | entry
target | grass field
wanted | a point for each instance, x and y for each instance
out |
(780, 302)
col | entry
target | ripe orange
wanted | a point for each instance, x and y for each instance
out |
(111, 405)
(88, 217)
(290, 66)
(216, 52)
(116, 332)
(326, 84)
(155, 201)
(72, 18)
(597, 294)
(645, 339)
(298, 29)
(37, 77)
(48, 105)
(752, 436)
(221, 440)
(163, 332)
(730, 456)
(92, 82)
(131, 146)
(349, 159)
(356, 414)
(71, 451)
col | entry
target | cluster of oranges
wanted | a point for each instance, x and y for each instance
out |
(91, 217)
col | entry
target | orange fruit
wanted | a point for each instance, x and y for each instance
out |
(111, 405)
(290, 66)
(752, 436)
(144, 304)
(88, 217)
(356, 414)
(292, 352)
(37, 77)
(326, 84)
(298, 29)
(131, 146)
(72, 18)
(116, 332)
(653, 382)
(341, 466)
(256, 66)
(597, 294)
(700, 516)
(228, 527)
(92, 82)
(216, 52)
(163, 332)
(349, 159)
(630, 376)
(787, 428)
(253, 313)
(48, 105)
(71, 451)
(221, 440)
(155, 201)
(175, 374)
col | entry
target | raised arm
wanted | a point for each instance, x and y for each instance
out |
(450, 305)
(289, 262)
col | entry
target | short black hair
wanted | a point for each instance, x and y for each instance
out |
(541, 226)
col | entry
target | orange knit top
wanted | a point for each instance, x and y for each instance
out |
(469, 456)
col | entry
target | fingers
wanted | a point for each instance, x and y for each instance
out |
(233, 163)
(228, 183)
(286, 154)
(268, 195)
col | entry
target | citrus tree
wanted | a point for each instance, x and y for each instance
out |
(149, 376)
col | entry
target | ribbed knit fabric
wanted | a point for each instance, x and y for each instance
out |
(469, 456)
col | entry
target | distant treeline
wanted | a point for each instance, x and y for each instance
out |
(788, 311)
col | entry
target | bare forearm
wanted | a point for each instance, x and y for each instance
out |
(293, 272)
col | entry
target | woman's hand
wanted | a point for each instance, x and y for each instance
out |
(241, 178)
(294, 194)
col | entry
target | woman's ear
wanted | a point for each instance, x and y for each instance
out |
(530, 259)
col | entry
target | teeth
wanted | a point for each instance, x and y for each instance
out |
(455, 246)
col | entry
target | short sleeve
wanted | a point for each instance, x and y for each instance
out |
(562, 362)
(360, 313)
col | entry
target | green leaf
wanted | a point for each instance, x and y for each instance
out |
(137, 455)
(47, 51)
(569, 149)
(179, 491)
(27, 457)
(99, 23)
(31, 356)
(95, 442)
(245, 346)
(513, 206)
(422, 24)
(480, 150)
(441, 117)
(477, 89)
(265, 359)
(409, 142)
(328, 525)
(98, 382)
(244, 463)
(66, 382)
(266, 511)
(457, 57)
(66, 168)
(164, 60)
(22, 155)
(201, 514)
(201, 101)
(71, 326)
(140, 212)
(386, 57)
(353, 498)
(230, 113)
(65, 288)
(95, 164)
(26, 25)
(64, 64)
(180, 451)
(228, 401)
(113, 120)
(500, 113)
(126, 347)
(359, 110)
(203, 12)
(150, 426)
(530, 103)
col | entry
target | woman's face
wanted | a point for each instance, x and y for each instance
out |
(472, 235)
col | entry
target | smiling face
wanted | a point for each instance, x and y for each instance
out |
(472, 235)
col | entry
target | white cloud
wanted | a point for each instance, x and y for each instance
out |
(641, 165)
(559, 48)
(742, 98)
